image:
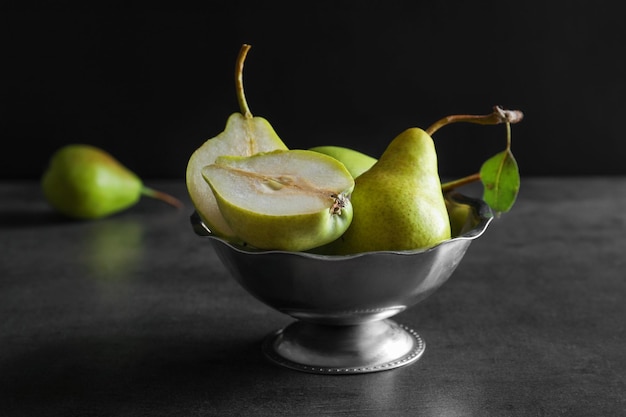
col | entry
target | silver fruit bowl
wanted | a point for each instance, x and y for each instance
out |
(343, 304)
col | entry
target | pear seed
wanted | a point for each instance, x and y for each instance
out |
(274, 184)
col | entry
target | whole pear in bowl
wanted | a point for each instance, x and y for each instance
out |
(398, 203)
(355, 161)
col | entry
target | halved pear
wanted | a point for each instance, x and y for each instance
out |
(286, 200)
(244, 135)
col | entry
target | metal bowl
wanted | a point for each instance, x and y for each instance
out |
(342, 304)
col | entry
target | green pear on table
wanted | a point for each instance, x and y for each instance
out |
(356, 162)
(291, 200)
(398, 203)
(243, 135)
(85, 182)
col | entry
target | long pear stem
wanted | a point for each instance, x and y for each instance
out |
(460, 182)
(498, 115)
(160, 195)
(241, 96)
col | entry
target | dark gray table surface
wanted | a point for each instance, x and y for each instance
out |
(134, 315)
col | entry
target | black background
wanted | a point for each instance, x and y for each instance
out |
(151, 84)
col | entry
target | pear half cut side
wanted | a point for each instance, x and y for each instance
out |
(291, 200)
(242, 136)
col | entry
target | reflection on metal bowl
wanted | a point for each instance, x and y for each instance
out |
(342, 304)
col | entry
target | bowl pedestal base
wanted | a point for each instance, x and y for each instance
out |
(372, 346)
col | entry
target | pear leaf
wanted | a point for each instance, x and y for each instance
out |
(501, 181)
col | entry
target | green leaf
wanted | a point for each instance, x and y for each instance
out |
(501, 181)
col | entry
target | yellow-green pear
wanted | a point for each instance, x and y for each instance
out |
(398, 203)
(286, 200)
(461, 218)
(85, 182)
(243, 135)
(356, 162)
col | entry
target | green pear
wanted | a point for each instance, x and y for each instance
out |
(286, 200)
(461, 218)
(86, 182)
(398, 203)
(244, 135)
(356, 162)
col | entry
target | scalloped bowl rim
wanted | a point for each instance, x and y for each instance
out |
(483, 214)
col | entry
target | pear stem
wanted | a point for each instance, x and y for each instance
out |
(451, 185)
(508, 136)
(160, 195)
(498, 115)
(241, 96)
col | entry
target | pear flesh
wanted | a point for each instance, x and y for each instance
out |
(242, 136)
(398, 203)
(285, 200)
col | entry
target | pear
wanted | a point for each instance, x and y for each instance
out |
(356, 162)
(398, 203)
(85, 182)
(461, 218)
(244, 135)
(286, 200)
